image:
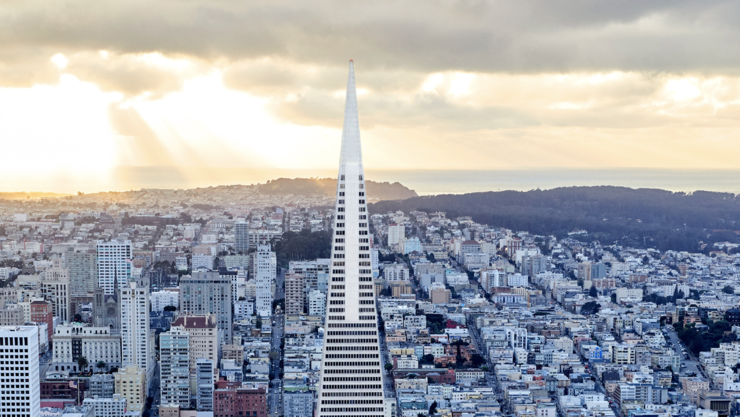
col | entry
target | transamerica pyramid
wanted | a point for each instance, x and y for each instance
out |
(351, 382)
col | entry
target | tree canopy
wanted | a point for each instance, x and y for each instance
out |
(633, 217)
(304, 245)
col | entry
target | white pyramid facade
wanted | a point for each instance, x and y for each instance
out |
(351, 382)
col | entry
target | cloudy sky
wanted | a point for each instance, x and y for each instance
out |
(90, 88)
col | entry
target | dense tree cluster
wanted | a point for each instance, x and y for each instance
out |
(699, 341)
(631, 217)
(302, 246)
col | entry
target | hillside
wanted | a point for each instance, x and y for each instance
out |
(632, 217)
(327, 186)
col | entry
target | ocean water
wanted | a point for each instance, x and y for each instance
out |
(431, 182)
(458, 182)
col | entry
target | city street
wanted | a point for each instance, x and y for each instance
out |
(154, 391)
(278, 327)
(387, 379)
(692, 365)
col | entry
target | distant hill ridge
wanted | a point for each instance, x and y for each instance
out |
(626, 216)
(327, 186)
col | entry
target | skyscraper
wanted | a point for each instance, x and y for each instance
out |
(82, 271)
(241, 236)
(135, 341)
(351, 380)
(55, 288)
(205, 374)
(265, 270)
(208, 293)
(114, 263)
(174, 362)
(22, 397)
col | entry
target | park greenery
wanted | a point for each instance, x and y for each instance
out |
(703, 341)
(302, 245)
(630, 217)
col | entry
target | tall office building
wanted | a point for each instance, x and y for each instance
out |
(204, 341)
(205, 375)
(135, 342)
(208, 293)
(55, 289)
(396, 234)
(114, 264)
(351, 379)
(241, 236)
(317, 303)
(21, 396)
(265, 271)
(174, 365)
(82, 272)
(294, 294)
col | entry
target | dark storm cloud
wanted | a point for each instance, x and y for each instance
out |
(424, 36)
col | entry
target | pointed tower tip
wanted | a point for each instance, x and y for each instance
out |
(351, 151)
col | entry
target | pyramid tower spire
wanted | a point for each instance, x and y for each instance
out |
(351, 152)
(351, 379)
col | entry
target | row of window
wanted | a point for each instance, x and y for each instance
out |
(351, 378)
(351, 402)
(346, 348)
(349, 371)
(350, 410)
(352, 333)
(339, 341)
(329, 394)
(352, 356)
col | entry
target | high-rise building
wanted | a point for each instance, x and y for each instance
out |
(317, 303)
(396, 234)
(114, 264)
(22, 396)
(315, 274)
(41, 313)
(533, 265)
(82, 272)
(135, 342)
(584, 271)
(174, 365)
(294, 294)
(131, 385)
(208, 293)
(204, 341)
(233, 276)
(55, 288)
(205, 377)
(598, 271)
(241, 236)
(265, 271)
(351, 355)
